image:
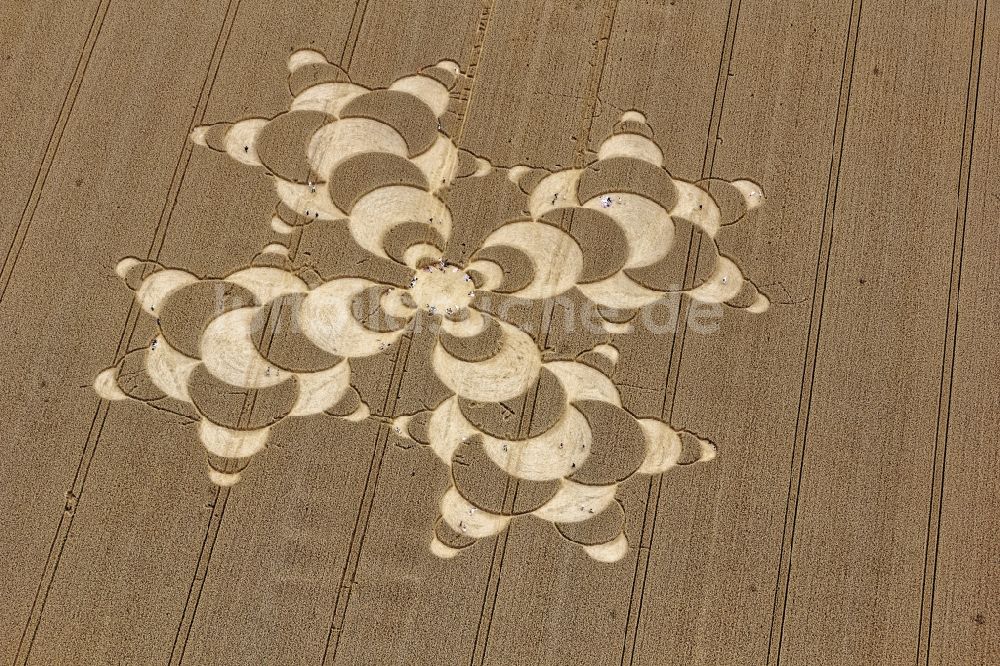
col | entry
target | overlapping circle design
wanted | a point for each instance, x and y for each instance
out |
(380, 162)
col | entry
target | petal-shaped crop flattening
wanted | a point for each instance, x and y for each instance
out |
(230, 354)
(648, 228)
(339, 140)
(328, 98)
(186, 312)
(407, 114)
(327, 319)
(554, 454)
(375, 214)
(504, 375)
(556, 259)
(283, 143)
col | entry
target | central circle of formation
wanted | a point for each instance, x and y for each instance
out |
(442, 288)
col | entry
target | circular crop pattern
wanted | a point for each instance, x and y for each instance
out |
(276, 340)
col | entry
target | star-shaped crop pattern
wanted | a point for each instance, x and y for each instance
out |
(276, 339)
